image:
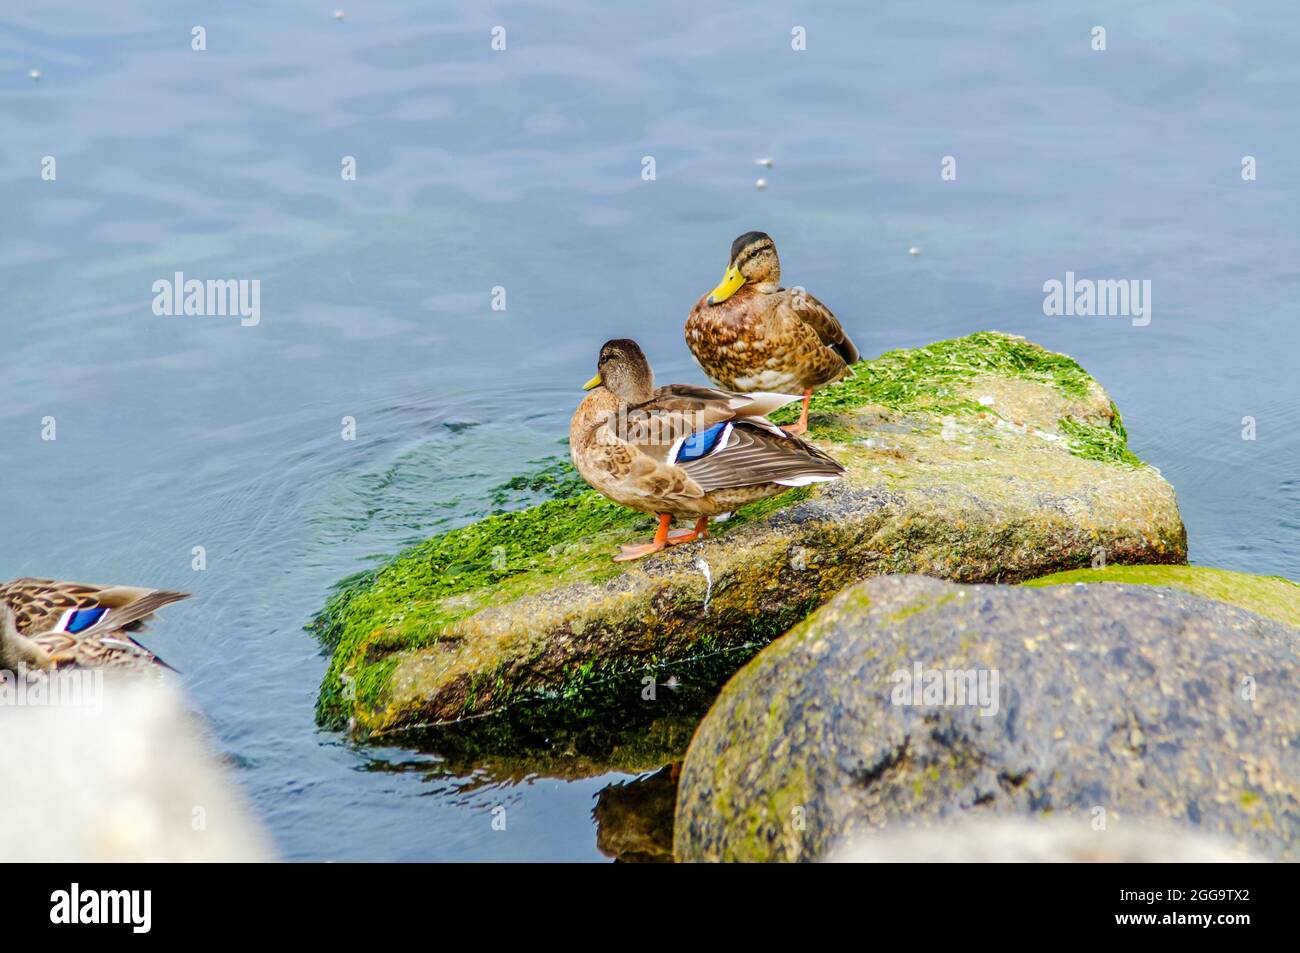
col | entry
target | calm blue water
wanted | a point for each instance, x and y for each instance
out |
(522, 169)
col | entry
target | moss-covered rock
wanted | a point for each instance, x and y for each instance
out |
(985, 458)
(1270, 596)
(908, 700)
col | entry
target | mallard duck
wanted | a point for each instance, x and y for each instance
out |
(46, 624)
(681, 450)
(750, 334)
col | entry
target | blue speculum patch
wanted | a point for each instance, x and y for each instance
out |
(700, 444)
(83, 619)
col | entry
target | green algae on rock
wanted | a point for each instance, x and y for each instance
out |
(590, 737)
(908, 700)
(965, 460)
(1269, 596)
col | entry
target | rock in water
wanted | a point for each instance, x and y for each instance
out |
(981, 459)
(908, 700)
(634, 819)
(120, 775)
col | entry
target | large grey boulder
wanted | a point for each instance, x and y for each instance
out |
(1099, 703)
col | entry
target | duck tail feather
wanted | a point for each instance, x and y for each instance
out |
(138, 611)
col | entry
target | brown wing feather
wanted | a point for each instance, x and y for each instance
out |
(634, 474)
(679, 410)
(134, 612)
(654, 479)
(38, 605)
(822, 320)
(757, 455)
(692, 396)
(110, 649)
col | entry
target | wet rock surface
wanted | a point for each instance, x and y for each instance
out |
(910, 700)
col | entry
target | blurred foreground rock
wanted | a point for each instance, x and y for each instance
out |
(129, 779)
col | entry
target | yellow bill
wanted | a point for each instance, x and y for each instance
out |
(729, 285)
(594, 382)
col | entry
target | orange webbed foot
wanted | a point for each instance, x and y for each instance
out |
(637, 552)
(630, 552)
(701, 531)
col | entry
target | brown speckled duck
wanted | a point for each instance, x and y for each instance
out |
(750, 334)
(683, 451)
(46, 624)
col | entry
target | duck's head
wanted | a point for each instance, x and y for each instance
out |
(624, 371)
(753, 261)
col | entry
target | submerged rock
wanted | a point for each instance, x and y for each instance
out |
(985, 458)
(634, 819)
(907, 700)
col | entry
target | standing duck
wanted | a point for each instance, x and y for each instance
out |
(682, 451)
(750, 334)
(46, 624)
